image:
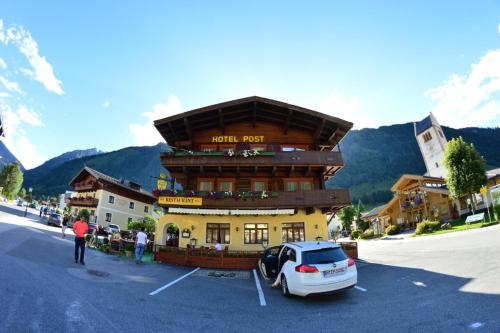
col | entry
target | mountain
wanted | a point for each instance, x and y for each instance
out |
(71, 155)
(137, 164)
(7, 157)
(375, 158)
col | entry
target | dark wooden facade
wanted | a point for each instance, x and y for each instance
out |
(297, 147)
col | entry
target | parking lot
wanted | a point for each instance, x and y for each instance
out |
(443, 284)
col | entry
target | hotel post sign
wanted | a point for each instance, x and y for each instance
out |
(185, 201)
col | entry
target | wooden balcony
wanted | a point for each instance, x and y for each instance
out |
(325, 199)
(296, 158)
(86, 202)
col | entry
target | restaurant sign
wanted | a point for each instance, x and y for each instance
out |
(187, 201)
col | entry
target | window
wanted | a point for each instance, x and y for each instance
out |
(255, 233)
(323, 256)
(111, 199)
(288, 148)
(226, 147)
(427, 136)
(225, 184)
(219, 232)
(108, 217)
(131, 205)
(259, 184)
(205, 184)
(129, 219)
(146, 209)
(258, 147)
(293, 232)
(298, 184)
(208, 148)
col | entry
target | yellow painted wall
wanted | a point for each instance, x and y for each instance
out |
(237, 237)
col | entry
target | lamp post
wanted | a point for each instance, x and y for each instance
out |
(26, 210)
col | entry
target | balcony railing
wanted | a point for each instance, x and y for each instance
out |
(84, 201)
(306, 158)
(296, 199)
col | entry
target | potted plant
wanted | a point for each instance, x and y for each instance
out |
(129, 250)
(88, 238)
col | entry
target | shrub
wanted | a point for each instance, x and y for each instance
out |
(367, 234)
(129, 247)
(88, 237)
(392, 230)
(356, 233)
(427, 227)
(496, 211)
(83, 214)
(105, 248)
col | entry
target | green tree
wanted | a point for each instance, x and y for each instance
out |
(83, 214)
(346, 216)
(360, 223)
(148, 222)
(22, 193)
(466, 169)
(11, 179)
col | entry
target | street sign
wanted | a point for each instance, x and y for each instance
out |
(483, 190)
(161, 184)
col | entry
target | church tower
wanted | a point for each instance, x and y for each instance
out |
(432, 144)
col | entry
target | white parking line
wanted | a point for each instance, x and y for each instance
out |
(360, 288)
(173, 282)
(259, 289)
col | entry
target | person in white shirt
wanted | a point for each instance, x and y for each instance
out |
(141, 240)
(217, 246)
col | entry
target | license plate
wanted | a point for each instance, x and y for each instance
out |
(332, 272)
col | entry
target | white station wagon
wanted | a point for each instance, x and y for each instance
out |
(306, 268)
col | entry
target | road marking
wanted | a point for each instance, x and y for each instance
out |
(62, 239)
(173, 282)
(419, 284)
(476, 325)
(360, 288)
(259, 289)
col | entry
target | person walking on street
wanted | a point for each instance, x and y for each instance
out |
(64, 225)
(140, 242)
(80, 228)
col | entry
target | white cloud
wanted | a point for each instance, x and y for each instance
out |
(10, 85)
(106, 104)
(42, 70)
(3, 64)
(147, 134)
(29, 116)
(471, 99)
(340, 106)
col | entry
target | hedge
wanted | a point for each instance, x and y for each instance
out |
(427, 227)
(392, 230)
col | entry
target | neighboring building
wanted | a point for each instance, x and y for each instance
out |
(253, 174)
(426, 197)
(109, 200)
(65, 198)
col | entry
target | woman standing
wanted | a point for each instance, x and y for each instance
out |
(64, 225)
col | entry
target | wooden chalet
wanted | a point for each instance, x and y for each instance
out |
(250, 173)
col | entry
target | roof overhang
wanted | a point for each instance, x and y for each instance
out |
(328, 130)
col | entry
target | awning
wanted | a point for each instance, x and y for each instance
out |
(201, 211)
(262, 211)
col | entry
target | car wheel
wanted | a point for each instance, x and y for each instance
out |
(284, 287)
(263, 270)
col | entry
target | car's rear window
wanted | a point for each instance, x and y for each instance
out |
(323, 256)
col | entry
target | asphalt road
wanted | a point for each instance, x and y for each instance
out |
(430, 284)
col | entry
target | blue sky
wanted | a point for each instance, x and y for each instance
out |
(96, 73)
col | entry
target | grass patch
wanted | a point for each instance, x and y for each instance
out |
(460, 225)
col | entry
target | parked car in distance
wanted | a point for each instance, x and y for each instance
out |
(305, 268)
(32, 205)
(113, 228)
(20, 203)
(55, 219)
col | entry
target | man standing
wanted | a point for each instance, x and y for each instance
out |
(140, 242)
(80, 228)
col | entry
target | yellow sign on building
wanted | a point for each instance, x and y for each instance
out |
(188, 201)
(161, 184)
